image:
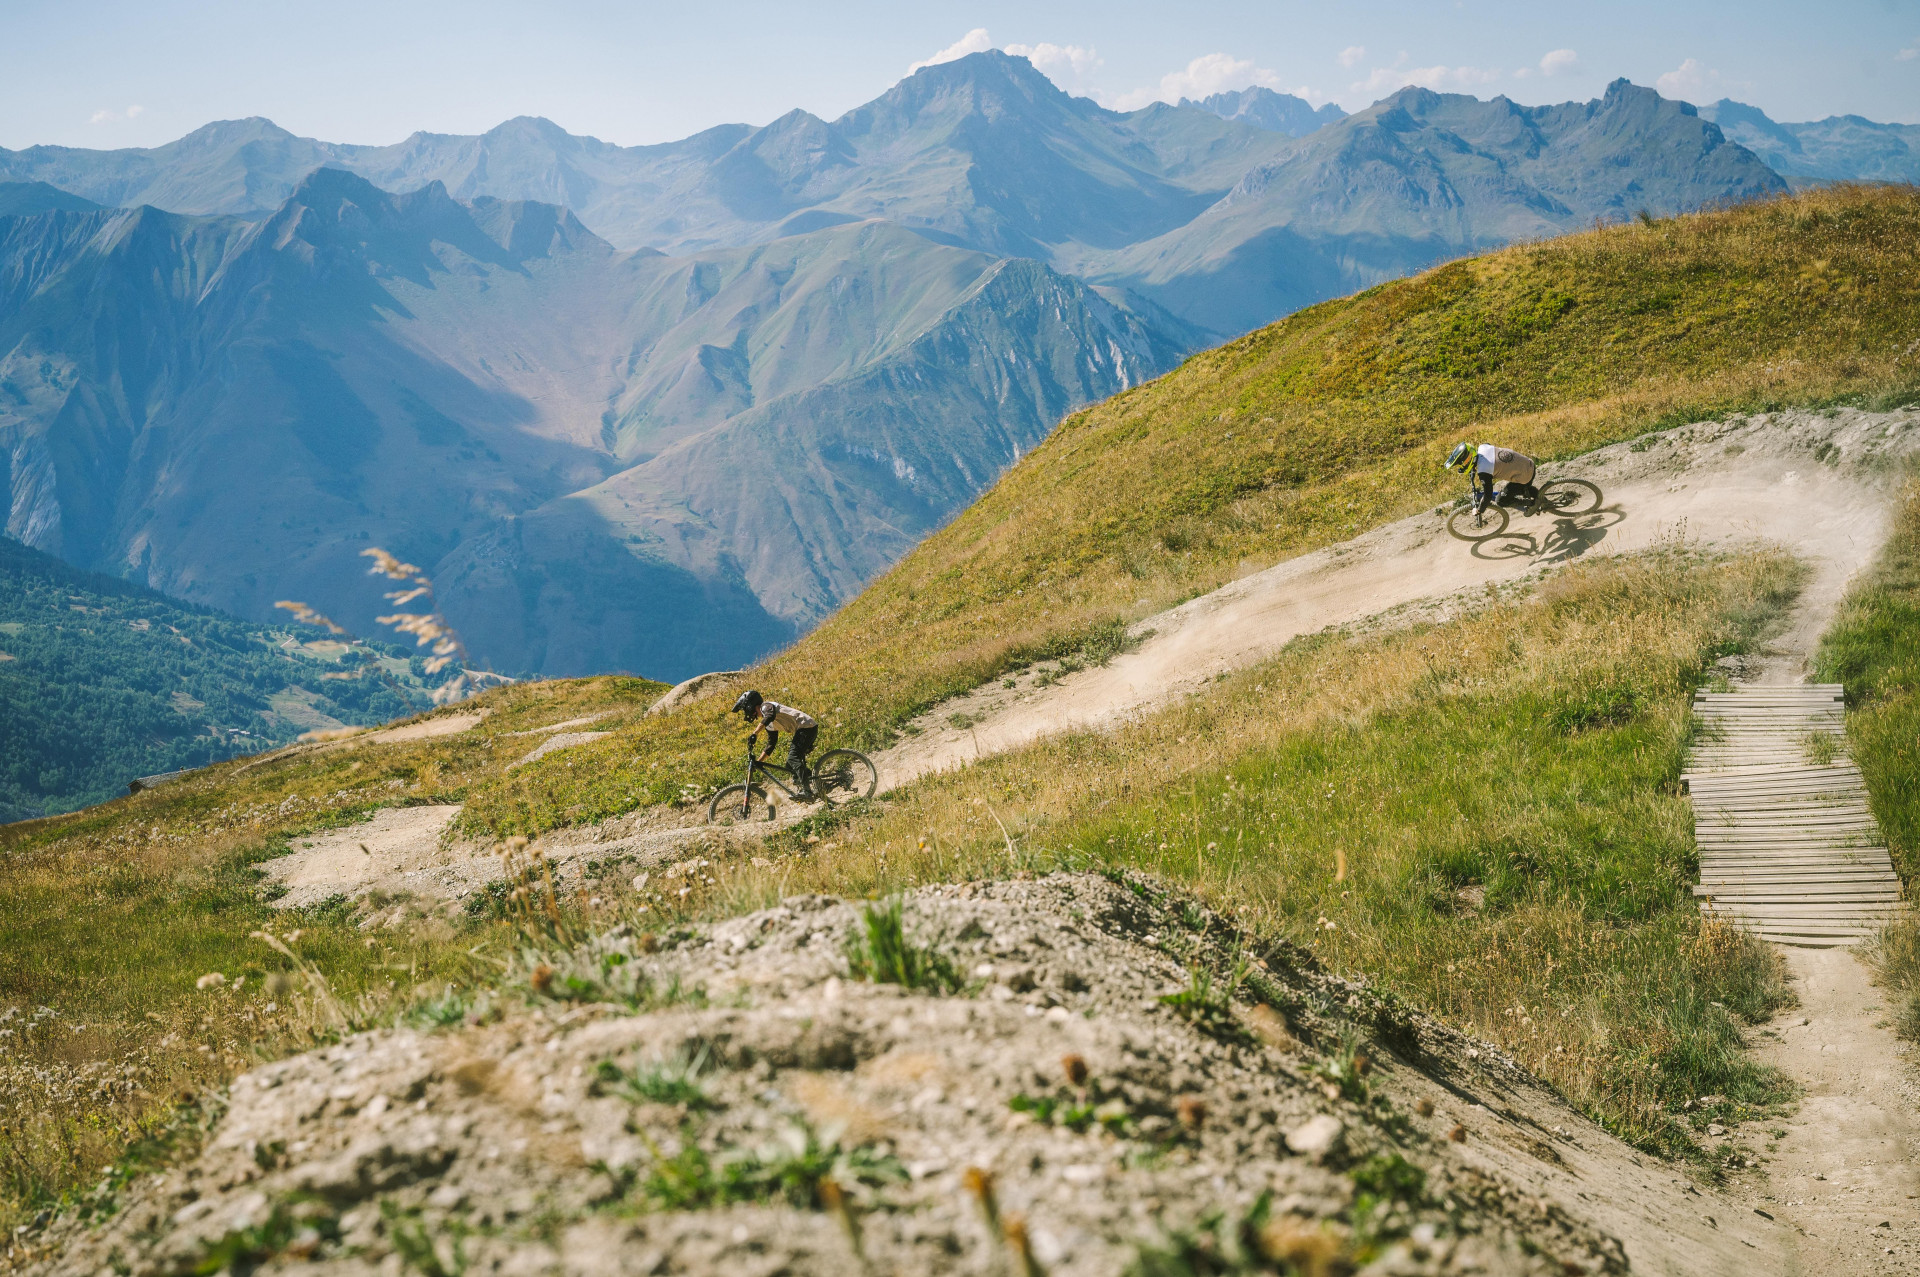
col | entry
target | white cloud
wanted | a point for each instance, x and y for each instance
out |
(105, 117)
(1054, 60)
(1351, 55)
(1385, 80)
(1557, 61)
(974, 41)
(1909, 53)
(1691, 79)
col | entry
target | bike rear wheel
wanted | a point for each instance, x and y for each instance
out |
(1569, 497)
(844, 776)
(740, 805)
(1469, 524)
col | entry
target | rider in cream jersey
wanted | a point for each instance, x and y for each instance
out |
(773, 718)
(1491, 464)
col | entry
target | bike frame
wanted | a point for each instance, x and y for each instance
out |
(1481, 500)
(769, 769)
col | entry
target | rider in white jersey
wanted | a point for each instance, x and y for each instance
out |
(1491, 464)
(773, 718)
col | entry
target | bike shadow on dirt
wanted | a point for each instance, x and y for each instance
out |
(1568, 538)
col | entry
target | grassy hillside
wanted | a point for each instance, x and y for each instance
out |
(102, 681)
(1874, 649)
(108, 917)
(1311, 430)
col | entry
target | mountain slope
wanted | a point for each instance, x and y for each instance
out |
(102, 681)
(1423, 176)
(1840, 148)
(230, 411)
(37, 197)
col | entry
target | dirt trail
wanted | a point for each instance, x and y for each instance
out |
(1847, 1175)
(1815, 484)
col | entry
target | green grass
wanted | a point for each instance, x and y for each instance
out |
(1873, 648)
(880, 952)
(1307, 432)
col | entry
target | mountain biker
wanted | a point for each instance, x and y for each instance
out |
(774, 718)
(1490, 464)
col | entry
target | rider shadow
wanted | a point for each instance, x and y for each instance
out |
(1570, 537)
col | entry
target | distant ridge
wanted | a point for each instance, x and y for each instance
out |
(1840, 148)
(19, 199)
(1265, 109)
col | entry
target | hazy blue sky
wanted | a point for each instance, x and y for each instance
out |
(140, 72)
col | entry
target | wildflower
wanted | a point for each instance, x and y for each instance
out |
(1076, 1069)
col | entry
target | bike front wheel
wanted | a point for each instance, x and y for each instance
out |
(1569, 497)
(843, 776)
(1469, 524)
(740, 805)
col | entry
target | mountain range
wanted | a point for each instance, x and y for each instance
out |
(662, 408)
(1214, 210)
(1840, 148)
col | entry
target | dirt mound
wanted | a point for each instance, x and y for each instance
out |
(674, 1104)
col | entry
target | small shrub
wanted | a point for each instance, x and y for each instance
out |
(789, 1168)
(880, 953)
(1347, 1068)
(1205, 1005)
(674, 1080)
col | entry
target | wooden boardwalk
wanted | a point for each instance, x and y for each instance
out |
(1787, 845)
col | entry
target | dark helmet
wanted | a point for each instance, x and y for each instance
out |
(1461, 458)
(749, 703)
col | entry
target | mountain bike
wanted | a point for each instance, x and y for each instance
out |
(841, 776)
(1482, 520)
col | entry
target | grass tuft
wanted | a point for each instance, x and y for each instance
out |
(880, 952)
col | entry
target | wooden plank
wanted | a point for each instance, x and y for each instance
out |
(1805, 911)
(1876, 874)
(1787, 850)
(1774, 896)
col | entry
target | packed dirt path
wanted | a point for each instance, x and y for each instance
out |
(1816, 484)
(1846, 1177)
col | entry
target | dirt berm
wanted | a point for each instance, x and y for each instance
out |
(1303, 1121)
